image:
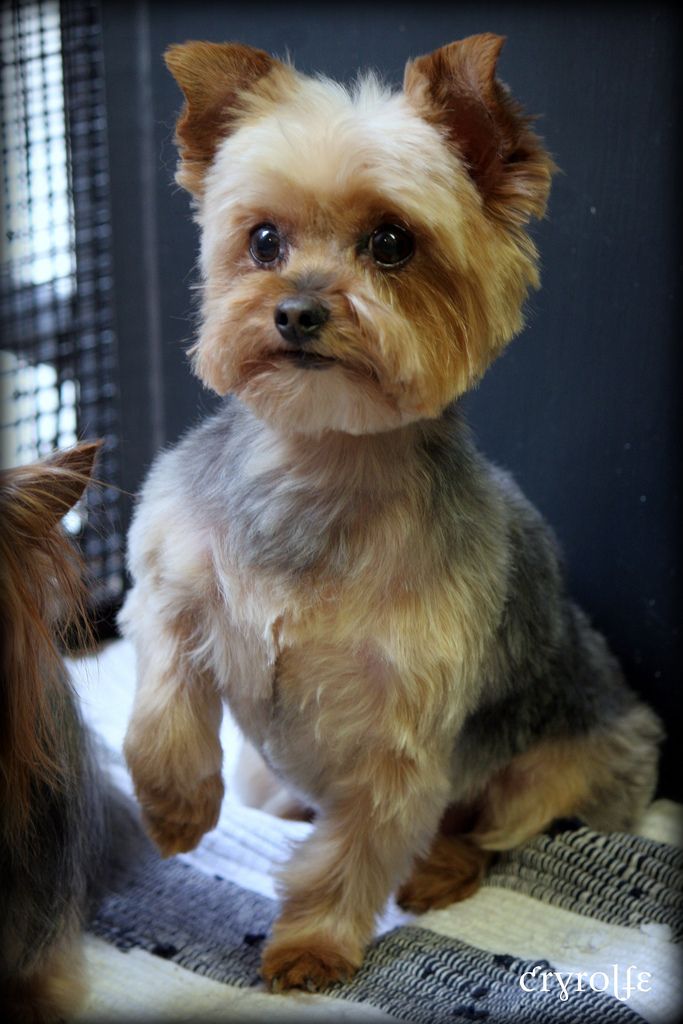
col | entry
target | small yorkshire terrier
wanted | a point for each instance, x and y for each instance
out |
(383, 611)
(52, 797)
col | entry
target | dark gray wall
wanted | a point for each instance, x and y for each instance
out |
(583, 407)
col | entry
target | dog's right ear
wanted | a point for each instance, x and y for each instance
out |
(217, 80)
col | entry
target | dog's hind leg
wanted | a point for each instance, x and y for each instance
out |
(606, 778)
(452, 871)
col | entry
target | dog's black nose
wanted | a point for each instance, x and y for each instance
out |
(300, 317)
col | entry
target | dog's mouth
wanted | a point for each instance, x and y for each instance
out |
(307, 359)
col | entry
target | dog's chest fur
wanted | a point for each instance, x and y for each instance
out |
(346, 576)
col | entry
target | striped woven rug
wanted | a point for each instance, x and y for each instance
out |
(206, 924)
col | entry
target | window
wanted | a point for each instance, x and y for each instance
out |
(58, 364)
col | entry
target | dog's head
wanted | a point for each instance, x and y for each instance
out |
(364, 253)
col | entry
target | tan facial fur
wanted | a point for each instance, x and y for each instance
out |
(326, 166)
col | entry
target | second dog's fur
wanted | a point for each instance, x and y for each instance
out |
(53, 797)
(383, 610)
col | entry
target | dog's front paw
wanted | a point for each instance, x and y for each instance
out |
(312, 964)
(176, 822)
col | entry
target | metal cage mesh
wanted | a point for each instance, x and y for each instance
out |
(57, 349)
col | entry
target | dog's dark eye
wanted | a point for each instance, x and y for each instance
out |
(391, 245)
(265, 244)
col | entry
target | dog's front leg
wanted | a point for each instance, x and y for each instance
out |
(172, 745)
(339, 879)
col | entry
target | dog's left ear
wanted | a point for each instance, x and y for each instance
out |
(70, 471)
(456, 89)
(34, 498)
(216, 79)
